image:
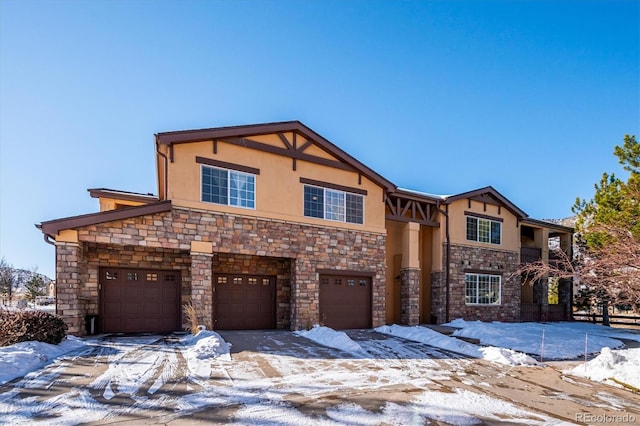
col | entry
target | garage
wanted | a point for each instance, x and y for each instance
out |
(345, 301)
(244, 302)
(139, 300)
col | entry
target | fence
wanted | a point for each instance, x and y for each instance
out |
(613, 319)
(533, 312)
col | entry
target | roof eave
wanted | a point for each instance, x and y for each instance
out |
(52, 227)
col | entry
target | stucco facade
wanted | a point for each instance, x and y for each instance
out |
(393, 255)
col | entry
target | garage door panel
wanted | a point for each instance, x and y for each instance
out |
(137, 300)
(242, 302)
(345, 301)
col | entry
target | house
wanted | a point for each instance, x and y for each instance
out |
(273, 226)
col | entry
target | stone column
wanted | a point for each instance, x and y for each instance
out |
(410, 296)
(68, 303)
(410, 275)
(201, 282)
(541, 297)
(305, 295)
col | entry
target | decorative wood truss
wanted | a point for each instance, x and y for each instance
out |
(406, 207)
(291, 148)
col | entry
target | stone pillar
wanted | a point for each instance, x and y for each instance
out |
(201, 282)
(68, 303)
(541, 297)
(565, 297)
(410, 275)
(410, 296)
(305, 295)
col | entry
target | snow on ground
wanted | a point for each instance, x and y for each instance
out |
(19, 359)
(430, 337)
(561, 340)
(334, 339)
(200, 349)
(612, 367)
(143, 370)
(433, 338)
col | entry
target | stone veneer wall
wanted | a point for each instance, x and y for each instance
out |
(225, 263)
(410, 296)
(163, 241)
(69, 259)
(473, 259)
(97, 255)
(438, 293)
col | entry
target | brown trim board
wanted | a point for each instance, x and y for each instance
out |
(483, 216)
(333, 186)
(52, 227)
(225, 165)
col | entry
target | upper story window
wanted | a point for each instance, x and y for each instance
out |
(333, 204)
(484, 230)
(228, 187)
(483, 289)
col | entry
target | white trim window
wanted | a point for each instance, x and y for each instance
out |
(483, 289)
(228, 187)
(331, 204)
(484, 230)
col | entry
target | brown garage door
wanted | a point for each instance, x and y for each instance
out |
(345, 301)
(244, 302)
(139, 300)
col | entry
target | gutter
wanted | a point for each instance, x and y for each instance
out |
(47, 237)
(447, 279)
(166, 171)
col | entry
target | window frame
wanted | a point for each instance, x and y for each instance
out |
(492, 280)
(486, 231)
(342, 214)
(230, 173)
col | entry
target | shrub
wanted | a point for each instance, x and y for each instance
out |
(192, 318)
(23, 326)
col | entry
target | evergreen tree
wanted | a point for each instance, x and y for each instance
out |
(8, 281)
(608, 232)
(34, 287)
(607, 262)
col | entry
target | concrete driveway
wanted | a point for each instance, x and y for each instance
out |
(276, 377)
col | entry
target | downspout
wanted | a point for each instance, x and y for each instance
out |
(166, 171)
(47, 239)
(447, 255)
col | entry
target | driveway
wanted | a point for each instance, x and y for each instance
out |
(276, 377)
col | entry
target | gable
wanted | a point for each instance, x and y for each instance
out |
(281, 160)
(291, 140)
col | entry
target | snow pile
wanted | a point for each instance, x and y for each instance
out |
(334, 339)
(206, 344)
(506, 356)
(612, 366)
(430, 337)
(561, 340)
(201, 349)
(20, 359)
(433, 338)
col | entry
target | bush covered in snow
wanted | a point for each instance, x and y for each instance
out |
(24, 326)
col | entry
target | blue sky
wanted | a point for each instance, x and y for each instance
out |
(437, 96)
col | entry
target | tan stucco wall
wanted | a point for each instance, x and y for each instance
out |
(392, 290)
(458, 224)
(279, 193)
(426, 256)
(107, 204)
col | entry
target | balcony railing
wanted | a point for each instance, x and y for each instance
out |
(530, 254)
